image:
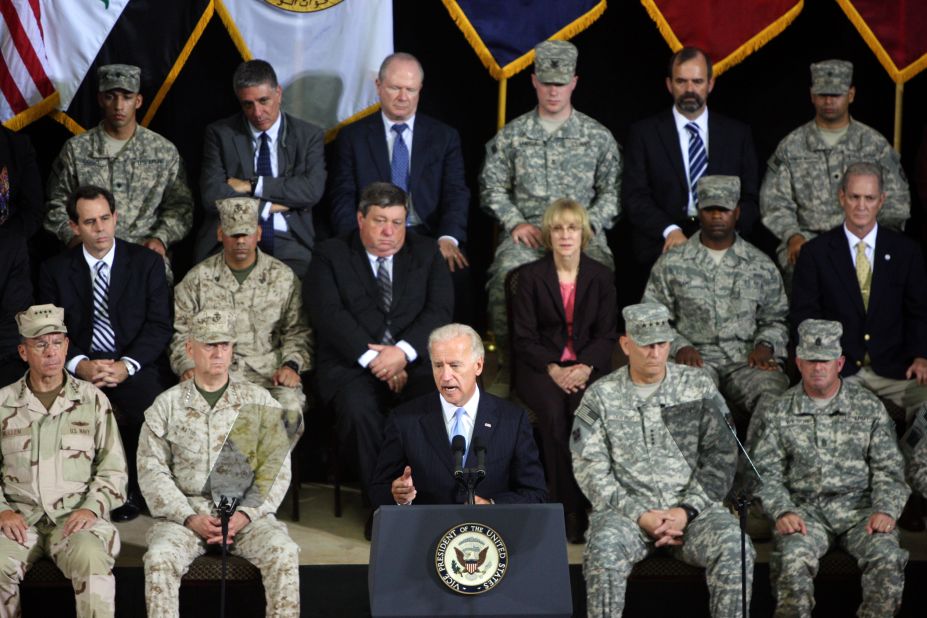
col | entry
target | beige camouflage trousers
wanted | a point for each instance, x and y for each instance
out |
(510, 256)
(85, 557)
(795, 558)
(265, 543)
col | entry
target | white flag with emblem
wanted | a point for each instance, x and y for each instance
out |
(326, 53)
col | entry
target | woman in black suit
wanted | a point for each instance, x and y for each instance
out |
(564, 317)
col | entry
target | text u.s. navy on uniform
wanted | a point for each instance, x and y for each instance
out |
(832, 476)
(653, 454)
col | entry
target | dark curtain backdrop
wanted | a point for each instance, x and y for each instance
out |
(622, 66)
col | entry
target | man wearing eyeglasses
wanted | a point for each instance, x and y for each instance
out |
(63, 470)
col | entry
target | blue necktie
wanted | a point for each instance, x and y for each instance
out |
(458, 429)
(263, 168)
(698, 161)
(102, 338)
(400, 164)
(385, 286)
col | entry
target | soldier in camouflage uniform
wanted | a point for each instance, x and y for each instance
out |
(182, 439)
(832, 475)
(141, 168)
(551, 152)
(798, 198)
(653, 455)
(726, 301)
(63, 471)
(264, 294)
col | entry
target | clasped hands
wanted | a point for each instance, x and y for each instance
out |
(389, 365)
(665, 526)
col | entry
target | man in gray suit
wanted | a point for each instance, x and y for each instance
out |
(269, 155)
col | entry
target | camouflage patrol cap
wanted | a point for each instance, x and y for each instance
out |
(238, 215)
(648, 323)
(718, 191)
(122, 76)
(819, 340)
(213, 326)
(555, 62)
(831, 77)
(40, 320)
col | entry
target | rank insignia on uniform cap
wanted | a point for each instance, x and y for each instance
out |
(40, 320)
(648, 323)
(819, 340)
(238, 215)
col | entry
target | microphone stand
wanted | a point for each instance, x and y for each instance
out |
(742, 502)
(471, 477)
(226, 508)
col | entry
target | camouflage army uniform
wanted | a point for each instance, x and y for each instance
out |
(178, 447)
(632, 455)
(55, 462)
(146, 177)
(833, 466)
(723, 310)
(271, 326)
(526, 169)
(918, 467)
(799, 191)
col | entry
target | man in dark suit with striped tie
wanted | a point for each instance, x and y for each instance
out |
(117, 309)
(374, 295)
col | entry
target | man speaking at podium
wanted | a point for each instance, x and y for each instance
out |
(417, 463)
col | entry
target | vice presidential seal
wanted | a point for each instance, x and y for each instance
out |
(471, 558)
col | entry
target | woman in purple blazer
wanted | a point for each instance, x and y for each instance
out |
(564, 315)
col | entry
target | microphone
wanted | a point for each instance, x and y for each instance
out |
(458, 446)
(480, 450)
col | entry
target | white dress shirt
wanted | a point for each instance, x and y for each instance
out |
(467, 421)
(869, 239)
(403, 345)
(272, 133)
(683, 134)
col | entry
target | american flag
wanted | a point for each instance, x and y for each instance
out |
(24, 79)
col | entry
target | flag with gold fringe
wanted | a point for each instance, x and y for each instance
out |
(326, 53)
(894, 31)
(728, 30)
(504, 34)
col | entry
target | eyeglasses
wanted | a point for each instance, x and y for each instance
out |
(43, 344)
(572, 228)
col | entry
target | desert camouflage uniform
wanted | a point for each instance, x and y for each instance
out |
(799, 191)
(146, 177)
(834, 467)
(271, 327)
(55, 462)
(526, 169)
(632, 455)
(179, 445)
(723, 310)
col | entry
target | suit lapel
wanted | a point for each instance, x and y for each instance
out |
(420, 153)
(552, 284)
(715, 142)
(119, 277)
(582, 287)
(242, 142)
(881, 267)
(80, 279)
(669, 138)
(839, 255)
(487, 421)
(402, 263)
(361, 266)
(376, 141)
(435, 432)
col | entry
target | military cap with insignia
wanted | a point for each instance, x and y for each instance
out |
(238, 215)
(718, 191)
(819, 340)
(119, 76)
(40, 320)
(831, 77)
(648, 323)
(213, 326)
(555, 62)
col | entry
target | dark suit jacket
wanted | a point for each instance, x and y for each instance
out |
(439, 192)
(300, 180)
(139, 300)
(416, 436)
(341, 293)
(655, 187)
(894, 329)
(539, 322)
(15, 290)
(27, 204)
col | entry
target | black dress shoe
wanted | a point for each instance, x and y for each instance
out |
(576, 525)
(128, 511)
(368, 526)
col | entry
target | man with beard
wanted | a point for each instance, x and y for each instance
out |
(726, 301)
(798, 199)
(665, 156)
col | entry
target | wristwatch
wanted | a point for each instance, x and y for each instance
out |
(691, 511)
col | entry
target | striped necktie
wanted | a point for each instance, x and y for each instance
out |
(698, 160)
(385, 287)
(103, 339)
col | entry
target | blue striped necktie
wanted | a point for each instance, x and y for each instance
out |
(263, 168)
(399, 166)
(385, 286)
(698, 160)
(103, 339)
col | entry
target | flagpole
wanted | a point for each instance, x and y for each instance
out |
(899, 98)
(500, 120)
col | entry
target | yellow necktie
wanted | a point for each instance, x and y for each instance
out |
(863, 272)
